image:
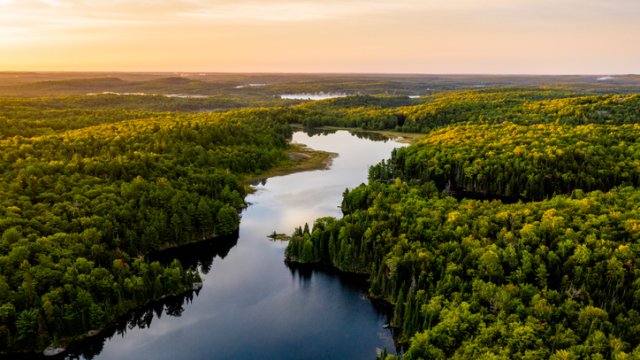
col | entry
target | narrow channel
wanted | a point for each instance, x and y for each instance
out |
(253, 306)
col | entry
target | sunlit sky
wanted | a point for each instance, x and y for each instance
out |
(401, 36)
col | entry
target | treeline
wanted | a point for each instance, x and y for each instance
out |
(80, 208)
(41, 116)
(555, 276)
(45, 116)
(28, 117)
(521, 107)
(492, 106)
(519, 161)
(475, 279)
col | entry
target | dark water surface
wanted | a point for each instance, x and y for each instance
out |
(253, 306)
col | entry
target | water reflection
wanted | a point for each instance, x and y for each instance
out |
(195, 256)
(198, 255)
(371, 136)
(367, 135)
(138, 319)
(252, 305)
(304, 273)
(312, 96)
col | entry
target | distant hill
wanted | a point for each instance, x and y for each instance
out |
(29, 84)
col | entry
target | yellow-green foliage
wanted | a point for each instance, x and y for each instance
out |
(81, 199)
(550, 273)
(491, 106)
(528, 161)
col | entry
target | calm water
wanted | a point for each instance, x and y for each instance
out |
(312, 96)
(252, 305)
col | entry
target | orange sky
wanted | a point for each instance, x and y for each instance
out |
(414, 36)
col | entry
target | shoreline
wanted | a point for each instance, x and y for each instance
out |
(300, 158)
(66, 344)
(399, 136)
(358, 276)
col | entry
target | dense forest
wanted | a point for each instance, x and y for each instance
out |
(86, 193)
(512, 161)
(491, 106)
(509, 231)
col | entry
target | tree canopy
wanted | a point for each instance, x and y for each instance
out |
(510, 231)
(86, 193)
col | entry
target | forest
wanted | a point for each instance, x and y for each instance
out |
(86, 193)
(510, 231)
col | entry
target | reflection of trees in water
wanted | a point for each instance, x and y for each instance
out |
(141, 318)
(303, 273)
(318, 132)
(370, 136)
(199, 255)
(357, 133)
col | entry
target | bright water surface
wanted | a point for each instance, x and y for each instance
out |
(312, 96)
(252, 305)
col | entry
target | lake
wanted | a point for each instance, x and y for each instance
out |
(312, 96)
(252, 304)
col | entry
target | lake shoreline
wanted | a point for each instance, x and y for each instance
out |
(379, 302)
(399, 136)
(65, 345)
(300, 158)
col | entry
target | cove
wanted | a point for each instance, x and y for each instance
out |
(252, 304)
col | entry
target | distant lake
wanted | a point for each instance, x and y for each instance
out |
(184, 96)
(252, 305)
(249, 85)
(312, 96)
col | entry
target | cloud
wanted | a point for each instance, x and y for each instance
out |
(240, 11)
(311, 10)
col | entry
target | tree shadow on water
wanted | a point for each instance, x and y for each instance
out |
(195, 256)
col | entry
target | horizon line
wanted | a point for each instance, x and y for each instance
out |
(306, 73)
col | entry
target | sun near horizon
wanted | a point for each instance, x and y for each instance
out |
(348, 36)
